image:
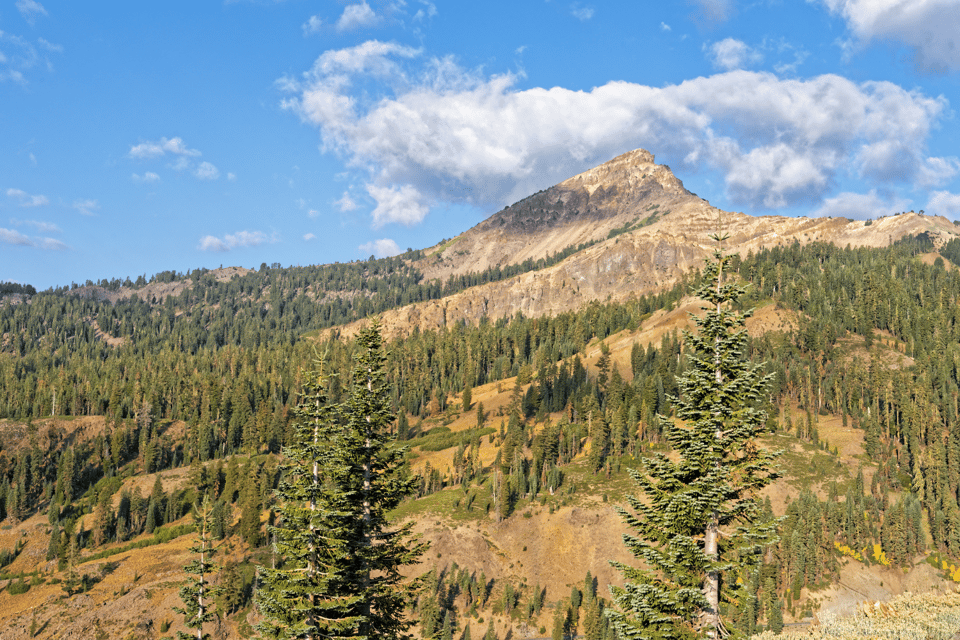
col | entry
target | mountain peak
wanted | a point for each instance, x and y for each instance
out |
(627, 192)
(627, 170)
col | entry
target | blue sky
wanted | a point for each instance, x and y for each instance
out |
(142, 137)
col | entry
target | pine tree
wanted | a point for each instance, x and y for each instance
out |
(198, 594)
(701, 520)
(338, 573)
(72, 579)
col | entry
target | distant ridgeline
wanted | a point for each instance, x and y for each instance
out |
(877, 342)
(301, 299)
(7, 288)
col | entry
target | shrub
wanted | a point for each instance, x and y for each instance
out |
(18, 587)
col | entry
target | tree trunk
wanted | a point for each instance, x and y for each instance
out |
(711, 585)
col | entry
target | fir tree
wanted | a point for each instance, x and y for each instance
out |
(701, 520)
(73, 581)
(198, 594)
(338, 573)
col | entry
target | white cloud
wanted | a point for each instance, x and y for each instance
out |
(357, 16)
(49, 46)
(86, 207)
(665, 27)
(149, 176)
(232, 177)
(50, 244)
(930, 27)
(439, 133)
(403, 204)
(796, 55)
(174, 146)
(384, 248)
(206, 171)
(346, 203)
(236, 240)
(313, 213)
(30, 10)
(861, 206)
(9, 236)
(40, 226)
(13, 75)
(429, 10)
(24, 199)
(19, 56)
(309, 236)
(581, 13)
(944, 203)
(371, 57)
(312, 26)
(730, 54)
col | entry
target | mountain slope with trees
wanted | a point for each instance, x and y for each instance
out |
(117, 414)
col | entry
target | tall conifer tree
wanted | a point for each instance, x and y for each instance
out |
(701, 520)
(338, 572)
(198, 594)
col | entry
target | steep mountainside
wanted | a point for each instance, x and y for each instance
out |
(643, 232)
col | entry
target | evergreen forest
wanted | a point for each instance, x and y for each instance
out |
(208, 380)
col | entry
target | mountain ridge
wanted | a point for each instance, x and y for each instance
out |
(646, 231)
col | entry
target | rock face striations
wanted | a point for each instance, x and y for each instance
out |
(642, 230)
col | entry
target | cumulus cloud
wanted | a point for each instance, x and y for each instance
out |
(30, 10)
(930, 27)
(312, 26)
(207, 171)
(309, 236)
(384, 248)
(357, 16)
(149, 176)
(236, 240)
(861, 206)
(24, 199)
(173, 146)
(665, 27)
(403, 204)
(86, 207)
(730, 54)
(440, 133)
(581, 13)
(944, 203)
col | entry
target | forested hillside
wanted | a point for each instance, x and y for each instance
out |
(206, 381)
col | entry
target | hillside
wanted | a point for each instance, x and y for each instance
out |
(120, 400)
(640, 232)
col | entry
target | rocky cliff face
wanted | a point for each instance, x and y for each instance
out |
(667, 234)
